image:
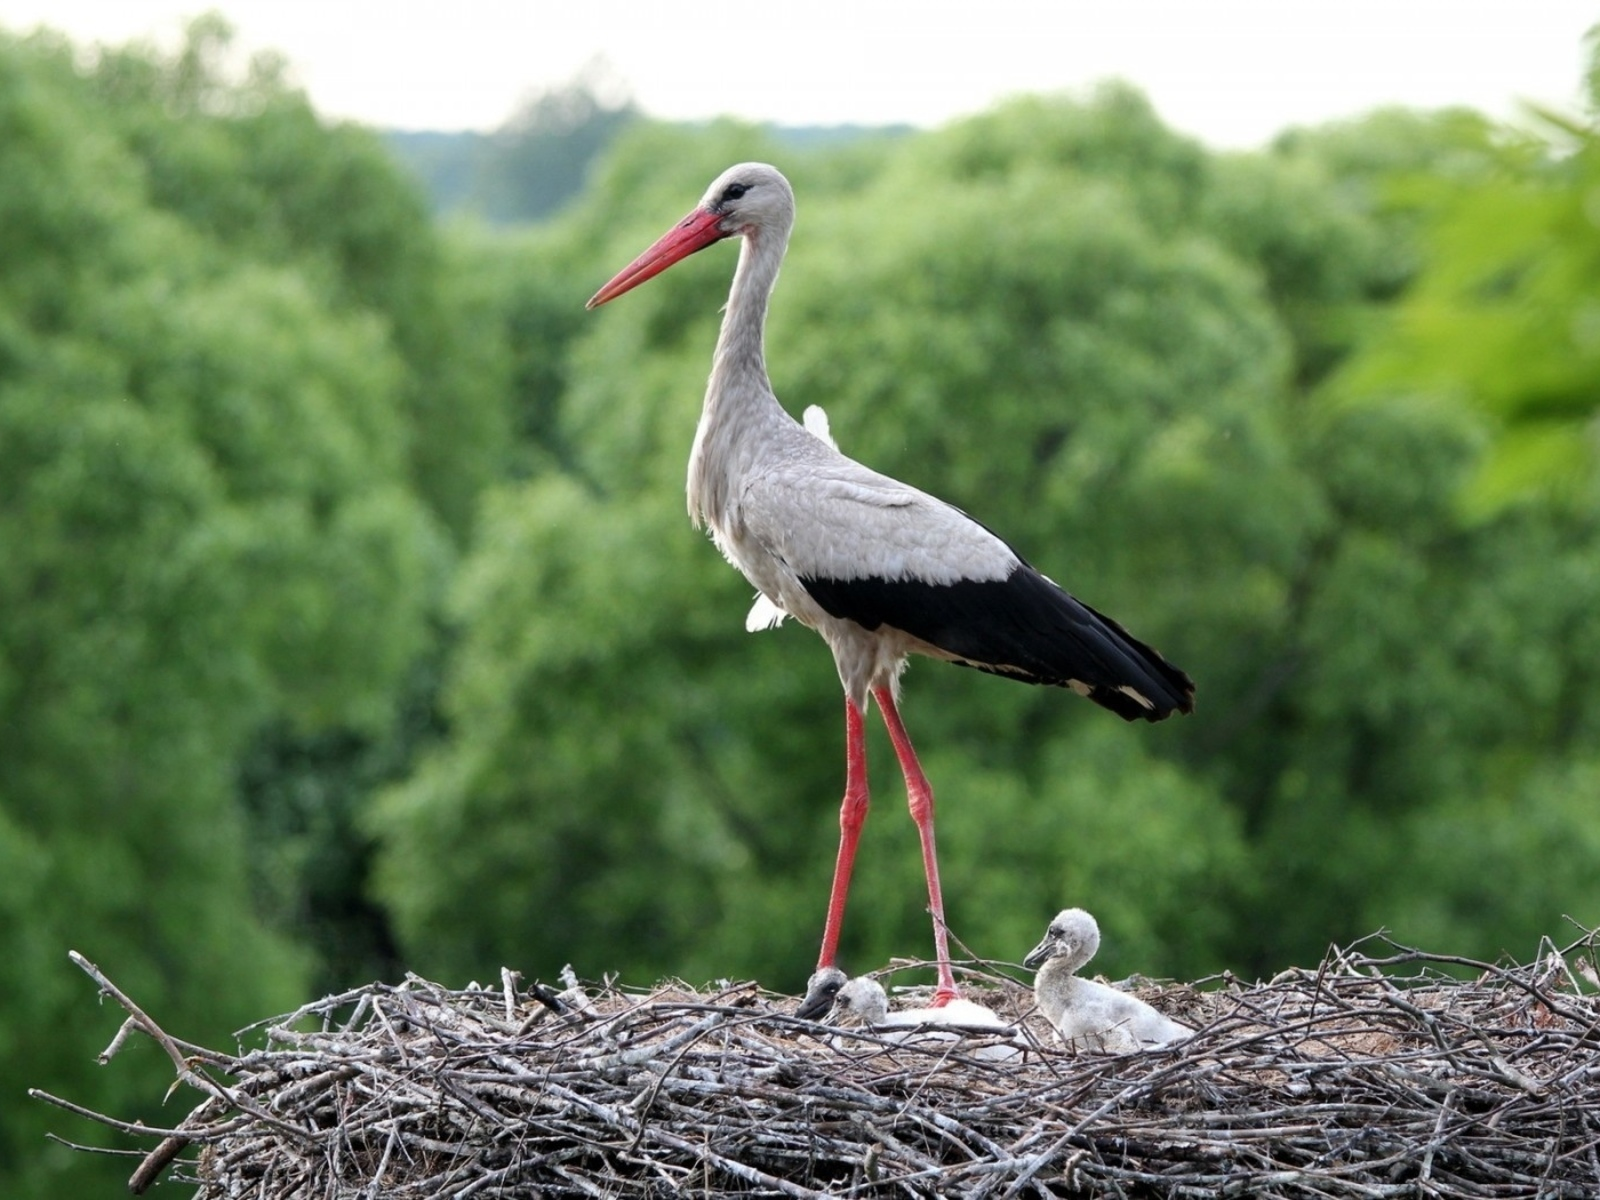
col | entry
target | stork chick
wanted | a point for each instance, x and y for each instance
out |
(862, 1001)
(1086, 1014)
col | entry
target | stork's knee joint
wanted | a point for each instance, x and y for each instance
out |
(853, 812)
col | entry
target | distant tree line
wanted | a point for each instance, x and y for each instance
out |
(539, 160)
(533, 164)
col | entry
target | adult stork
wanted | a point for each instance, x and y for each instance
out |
(880, 569)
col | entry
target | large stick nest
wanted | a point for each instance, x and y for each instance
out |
(1383, 1072)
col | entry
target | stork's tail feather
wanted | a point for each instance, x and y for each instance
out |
(1153, 689)
(1024, 627)
(1059, 640)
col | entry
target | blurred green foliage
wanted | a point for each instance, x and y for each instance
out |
(350, 620)
(233, 479)
(1506, 320)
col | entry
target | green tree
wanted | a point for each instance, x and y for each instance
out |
(1504, 316)
(243, 409)
(1486, 365)
(251, 165)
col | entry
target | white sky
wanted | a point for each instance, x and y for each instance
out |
(1232, 71)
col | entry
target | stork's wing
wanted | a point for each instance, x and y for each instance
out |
(858, 524)
(875, 551)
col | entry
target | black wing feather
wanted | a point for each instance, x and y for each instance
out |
(1023, 627)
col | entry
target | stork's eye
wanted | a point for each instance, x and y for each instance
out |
(734, 191)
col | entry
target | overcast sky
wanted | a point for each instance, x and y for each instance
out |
(1232, 71)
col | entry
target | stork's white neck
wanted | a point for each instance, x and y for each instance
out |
(739, 401)
(1055, 988)
(740, 345)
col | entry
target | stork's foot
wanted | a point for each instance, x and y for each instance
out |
(944, 996)
(821, 989)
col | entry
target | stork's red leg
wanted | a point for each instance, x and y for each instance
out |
(919, 796)
(852, 816)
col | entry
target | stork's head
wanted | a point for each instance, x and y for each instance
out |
(821, 990)
(1074, 936)
(744, 201)
(862, 1001)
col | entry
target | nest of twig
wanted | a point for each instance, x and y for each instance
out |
(1377, 1074)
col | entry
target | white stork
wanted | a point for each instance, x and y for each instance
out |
(1087, 1014)
(878, 568)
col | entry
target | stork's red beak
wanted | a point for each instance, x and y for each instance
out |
(695, 232)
